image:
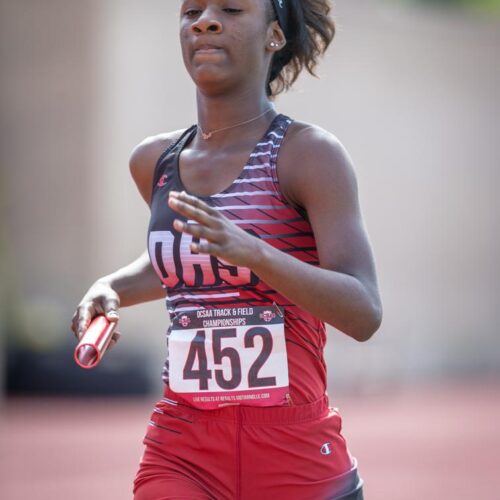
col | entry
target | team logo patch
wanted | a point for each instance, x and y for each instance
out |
(162, 181)
(267, 316)
(184, 321)
(326, 449)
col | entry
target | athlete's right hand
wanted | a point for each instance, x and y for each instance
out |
(100, 299)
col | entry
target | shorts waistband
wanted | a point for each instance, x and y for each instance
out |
(255, 414)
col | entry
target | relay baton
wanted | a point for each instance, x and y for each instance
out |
(94, 343)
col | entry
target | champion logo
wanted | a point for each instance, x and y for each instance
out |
(326, 449)
(162, 181)
(280, 3)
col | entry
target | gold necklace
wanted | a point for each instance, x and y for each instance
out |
(209, 135)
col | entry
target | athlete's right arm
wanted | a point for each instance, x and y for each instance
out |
(136, 282)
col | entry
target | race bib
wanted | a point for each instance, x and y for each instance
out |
(229, 356)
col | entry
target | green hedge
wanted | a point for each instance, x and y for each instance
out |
(481, 5)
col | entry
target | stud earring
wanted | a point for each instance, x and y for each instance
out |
(273, 45)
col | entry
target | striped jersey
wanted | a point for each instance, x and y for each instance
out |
(255, 203)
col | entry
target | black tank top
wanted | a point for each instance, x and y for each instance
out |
(254, 202)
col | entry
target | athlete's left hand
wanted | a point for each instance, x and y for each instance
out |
(220, 236)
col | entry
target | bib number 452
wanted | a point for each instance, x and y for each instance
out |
(197, 356)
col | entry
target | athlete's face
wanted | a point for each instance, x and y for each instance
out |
(225, 43)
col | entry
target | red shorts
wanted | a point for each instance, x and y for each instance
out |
(242, 452)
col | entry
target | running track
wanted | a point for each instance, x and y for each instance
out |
(422, 444)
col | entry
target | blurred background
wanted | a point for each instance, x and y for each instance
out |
(409, 87)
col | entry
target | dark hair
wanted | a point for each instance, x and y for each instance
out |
(311, 31)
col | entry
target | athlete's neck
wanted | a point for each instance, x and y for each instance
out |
(215, 113)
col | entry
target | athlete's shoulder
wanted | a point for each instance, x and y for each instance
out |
(305, 137)
(312, 155)
(150, 149)
(144, 157)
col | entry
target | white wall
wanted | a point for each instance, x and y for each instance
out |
(412, 95)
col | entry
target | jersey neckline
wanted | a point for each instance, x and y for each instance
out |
(190, 136)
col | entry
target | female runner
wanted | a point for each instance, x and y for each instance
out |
(257, 238)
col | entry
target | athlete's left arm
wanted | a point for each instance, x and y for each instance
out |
(316, 173)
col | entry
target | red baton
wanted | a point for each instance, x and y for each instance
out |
(94, 343)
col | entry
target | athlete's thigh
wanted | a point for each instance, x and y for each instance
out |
(165, 486)
(185, 456)
(297, 461)
(357, 495)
